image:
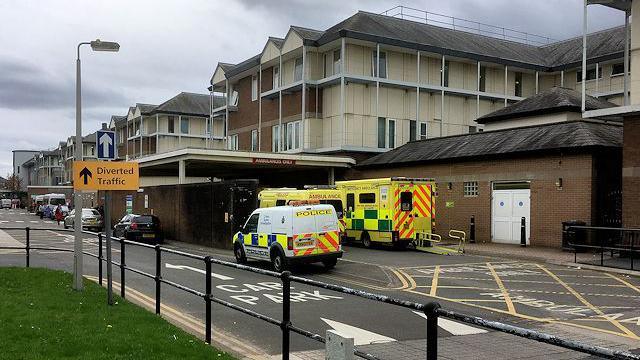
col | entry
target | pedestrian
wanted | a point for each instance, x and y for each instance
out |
(58, 214)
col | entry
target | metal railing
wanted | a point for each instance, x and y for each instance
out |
(616, 247)
(432, 310)
(475, 27)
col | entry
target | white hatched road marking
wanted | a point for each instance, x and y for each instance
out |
(360, 336)
(185, 267)
(453, 327)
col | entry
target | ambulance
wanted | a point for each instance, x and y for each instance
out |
(394, 211)
(311, 194)
(285, 235)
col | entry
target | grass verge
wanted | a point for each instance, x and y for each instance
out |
(42, 317)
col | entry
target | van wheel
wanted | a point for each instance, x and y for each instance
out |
(366, 240)
(278, 261)
(330, 263)
(238, 251)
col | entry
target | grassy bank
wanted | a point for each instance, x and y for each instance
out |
(42, 317)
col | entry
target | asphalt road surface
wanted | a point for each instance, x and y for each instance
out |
(593, 307)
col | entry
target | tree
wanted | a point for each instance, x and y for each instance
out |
(13, 183)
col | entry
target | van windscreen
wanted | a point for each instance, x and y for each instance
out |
(57, 201)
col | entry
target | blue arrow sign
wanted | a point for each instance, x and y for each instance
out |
(106, 144)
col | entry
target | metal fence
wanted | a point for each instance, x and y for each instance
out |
(608, 246)
(432, 310)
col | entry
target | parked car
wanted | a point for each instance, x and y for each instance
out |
(6, 203)
(91, 220)
(143, 228)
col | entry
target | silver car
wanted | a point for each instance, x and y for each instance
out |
(91, 220)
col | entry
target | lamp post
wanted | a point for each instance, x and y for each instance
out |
(96, 45)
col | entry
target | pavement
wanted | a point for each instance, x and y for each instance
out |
(597, 307)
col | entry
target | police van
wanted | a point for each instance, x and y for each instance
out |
(286, 235)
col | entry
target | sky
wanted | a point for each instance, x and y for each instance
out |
(169, 46)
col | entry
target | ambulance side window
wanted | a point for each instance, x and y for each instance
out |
(252, 224)
(281, 202)
(367, 198)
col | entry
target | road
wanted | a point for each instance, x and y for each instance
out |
(594, 307)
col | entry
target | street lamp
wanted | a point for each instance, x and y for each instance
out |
(96, 45)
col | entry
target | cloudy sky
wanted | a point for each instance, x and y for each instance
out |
(171, 46)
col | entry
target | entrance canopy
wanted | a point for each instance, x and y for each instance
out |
(273, 169)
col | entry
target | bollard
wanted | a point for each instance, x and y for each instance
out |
(158, 277)
(28, 246)
(100, 258)
(431, 310)
(472, 230)
(207, 299)
(523, 232)
(122, 265)
(338, 347)
(286, 313)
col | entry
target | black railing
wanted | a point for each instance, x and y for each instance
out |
(432, 310)
(609, 246)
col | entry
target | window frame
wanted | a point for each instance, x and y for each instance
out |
(482, 85)
(232, 142)
(391, 139)
(413, 130)
(422, 136)
(254, 88)
(296, 67)
(255, 230)
(444, 79)
(275, 138)
(254, 140)
(589, 71)
(375, 68)
(276, 76)
(613, 66)
(517, 86)
(470, 189)
(337, 64)
(361, 196)
(382, 144)
(184, 120)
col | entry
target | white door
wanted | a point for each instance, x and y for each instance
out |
(507, 209)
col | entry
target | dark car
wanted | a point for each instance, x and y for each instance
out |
(143, 228)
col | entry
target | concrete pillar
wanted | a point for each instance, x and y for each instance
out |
(634, 81)
(338, 347)
(182, 170)
(331, 179)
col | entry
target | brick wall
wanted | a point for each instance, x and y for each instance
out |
(549, 205)
(631, 173)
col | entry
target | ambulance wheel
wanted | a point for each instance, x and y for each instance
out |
(366, 240)
(238, 251)
(278, 261)
(400, 245)
(330, 263)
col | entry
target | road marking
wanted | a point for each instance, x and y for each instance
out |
(185, 267)
(505, 293)
(453, 327)
(585, 302)
(434, 281)
(360, 336)
(628, 284)
(19, 221)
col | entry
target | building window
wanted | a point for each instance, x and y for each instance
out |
(209, 126)
(233, 142)
(518, 85)
(297, 69)
(591, 74)
(483, 78)
(617, 69)
(276, 77)
(444, 81)
(171, 125)
(392, 134)
(423, 131)
(336, 62)
(470, 188)
(275, 138)
(292, 135)
(254, 88)
(382, 133)
(254, 140)
(380, 69)
(184, 125)
(412, 130)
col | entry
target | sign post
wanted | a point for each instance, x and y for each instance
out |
(107, 176)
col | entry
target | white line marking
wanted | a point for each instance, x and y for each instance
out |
(454, 328)
(360, 336)
(19, 221)
(185, 267)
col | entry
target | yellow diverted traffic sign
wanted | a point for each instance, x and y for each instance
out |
(105, 175)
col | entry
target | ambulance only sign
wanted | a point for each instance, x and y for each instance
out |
(102, 175)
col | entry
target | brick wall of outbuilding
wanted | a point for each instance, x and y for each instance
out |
(550, 206)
